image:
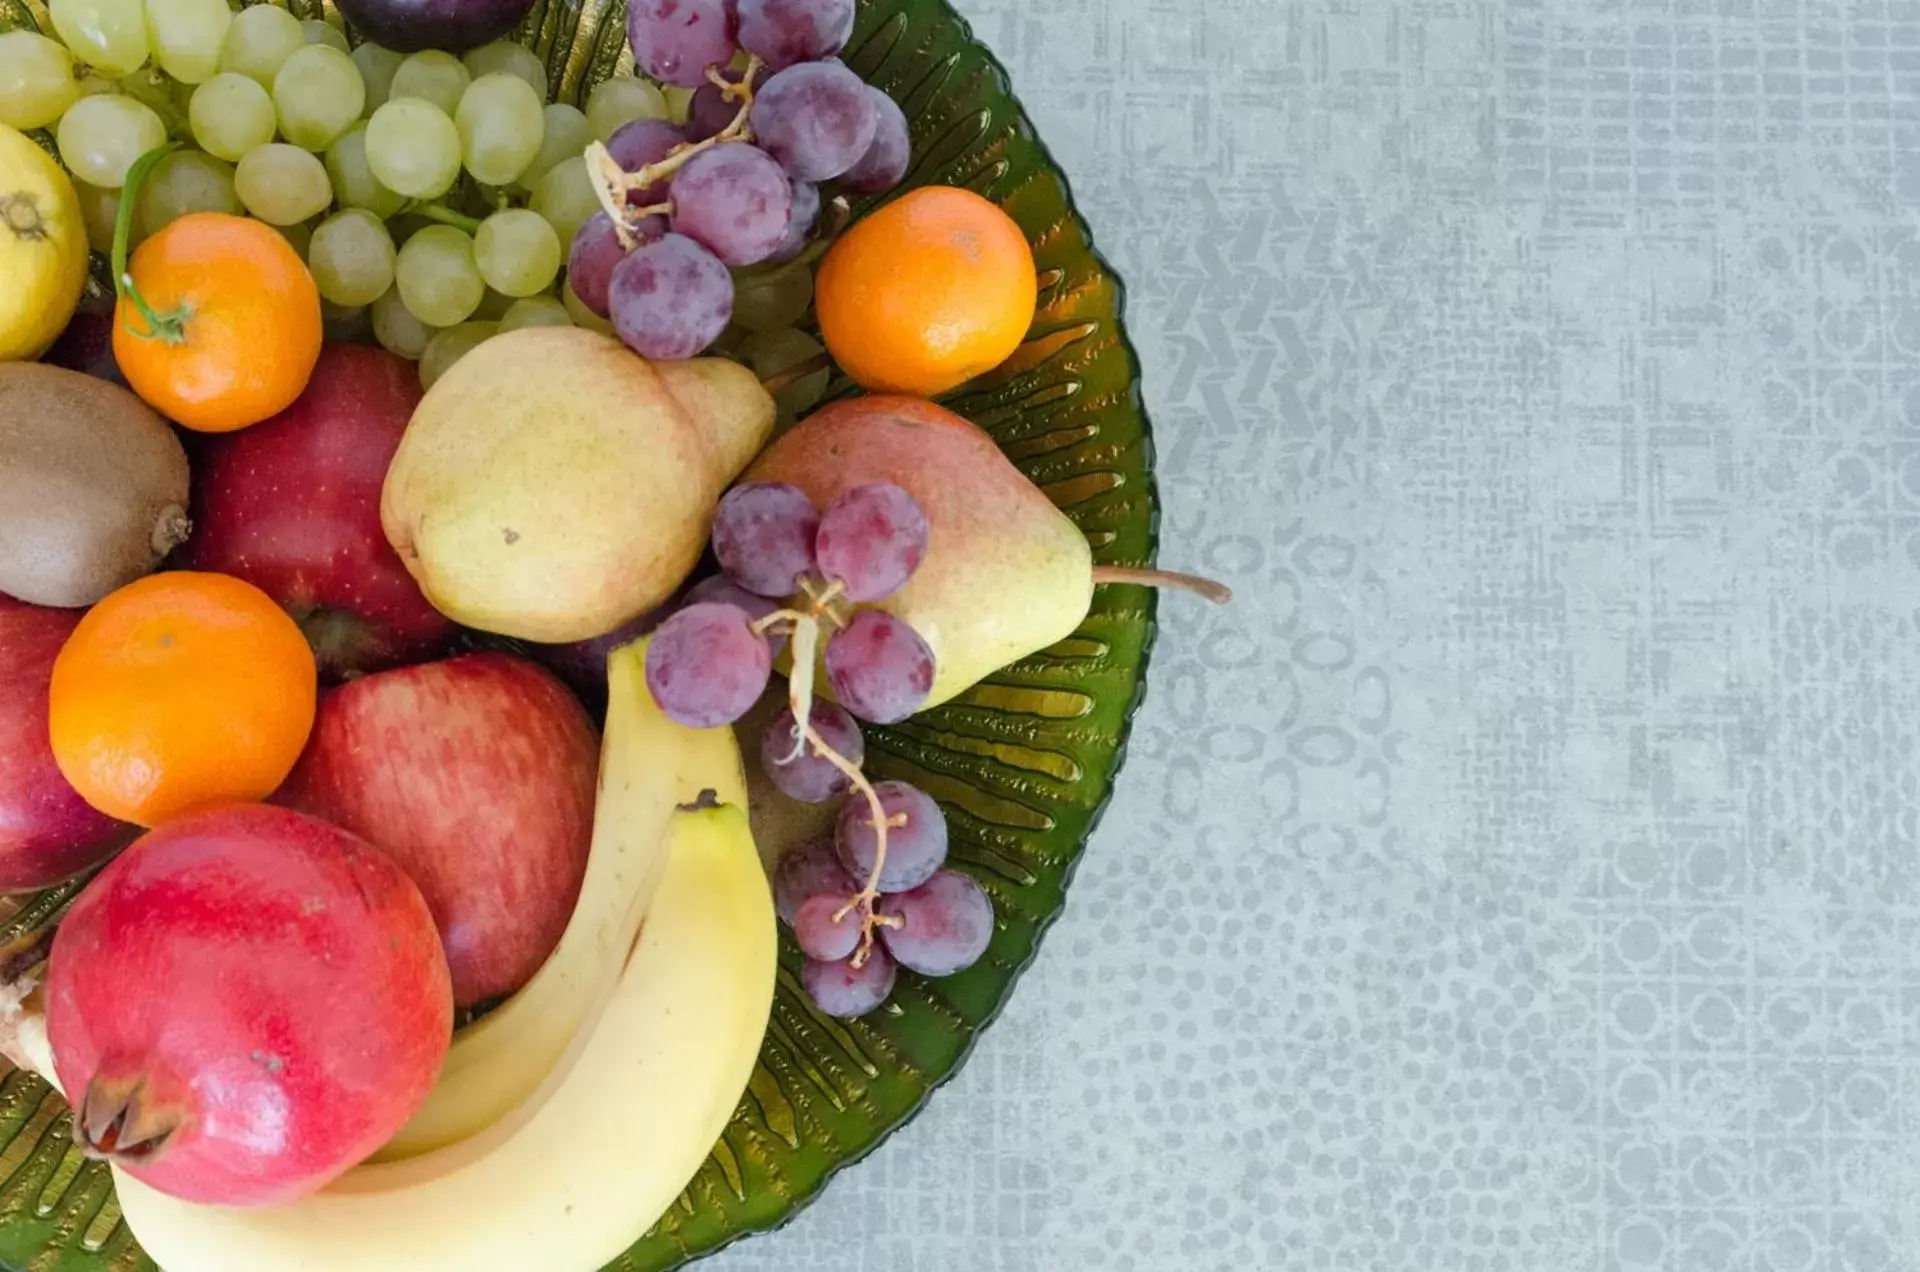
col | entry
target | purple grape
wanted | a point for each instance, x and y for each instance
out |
(710, 111)
(670, 299)
(408, 26)
(784, 32)
(807, 777)
(675, 41)
(720, 588)
(707, 666)
(818, 935)
(815, 119)
(879, 667)
(800, 223)
(843, 990)
(886, 160)
(597, 251)
(807, 871)
(872, 539)
(640, 143)
(946, 925)
(735, 201)
(763, 535)
(914, 850)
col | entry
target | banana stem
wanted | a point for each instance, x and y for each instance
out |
(1218, 593)
(171, 327)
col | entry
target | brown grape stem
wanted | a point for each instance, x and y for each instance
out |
(612, 183)
(877, 818)
(1218, 593)
(819, 362)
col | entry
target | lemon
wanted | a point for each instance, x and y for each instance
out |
(43, 248)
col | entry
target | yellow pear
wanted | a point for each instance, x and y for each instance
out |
(1005, 572)
(554, 484)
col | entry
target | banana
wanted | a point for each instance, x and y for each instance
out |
(579, 1171)
(648, 765)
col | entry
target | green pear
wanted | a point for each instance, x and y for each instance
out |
(1005, 572)
(554, 484)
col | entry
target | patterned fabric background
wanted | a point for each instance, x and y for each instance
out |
(1521, 876)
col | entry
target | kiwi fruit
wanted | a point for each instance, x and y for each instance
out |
(93, 486)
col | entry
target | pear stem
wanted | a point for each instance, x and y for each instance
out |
(1218, 593)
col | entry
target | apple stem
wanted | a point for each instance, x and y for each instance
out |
(1218, 593)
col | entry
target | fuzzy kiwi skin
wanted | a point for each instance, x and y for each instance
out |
(93, 486)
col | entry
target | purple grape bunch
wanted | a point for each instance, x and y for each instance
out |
(748, 194)
(710, 662)
(940, 926)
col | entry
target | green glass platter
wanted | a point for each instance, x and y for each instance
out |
(1023, 763)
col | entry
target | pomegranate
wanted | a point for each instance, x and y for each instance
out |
(244, 1004)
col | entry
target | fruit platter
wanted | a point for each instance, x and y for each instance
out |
(572, 583)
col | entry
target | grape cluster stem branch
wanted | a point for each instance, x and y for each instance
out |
(612, 183)
(869, 893)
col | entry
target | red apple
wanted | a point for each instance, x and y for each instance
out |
(47, 832)
(477, 775)
(292, 505)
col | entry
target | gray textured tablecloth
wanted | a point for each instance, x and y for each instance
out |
(1521, 876)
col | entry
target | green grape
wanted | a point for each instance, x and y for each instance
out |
(318, 32)
(318, 93)
(769, 353)
(354, 184)
(37, 81)
(535, 311)
(564, 135)
(513, 59)
(282, 184)
(261, 37)
(108, 35)
(565, 197)
(100, 137)
(186, 181)
(679, 101)
(345, 324)
(186, 36)
(767, 300)
(413, 148)
(298, 235)
(449, 345)
(493, 306)
(431, 76)
(351, 257)
(581, 315)
(517, 252)
(620, 101)
(377, 66)
(397, 330)
(230, 115)
(500, 122)
(98, 211)
(437, 277)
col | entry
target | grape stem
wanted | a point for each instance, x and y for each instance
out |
(793, 375)
(1218, 593)
(447, 216)
(170, 327)
(612, 183)
(877, 818)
